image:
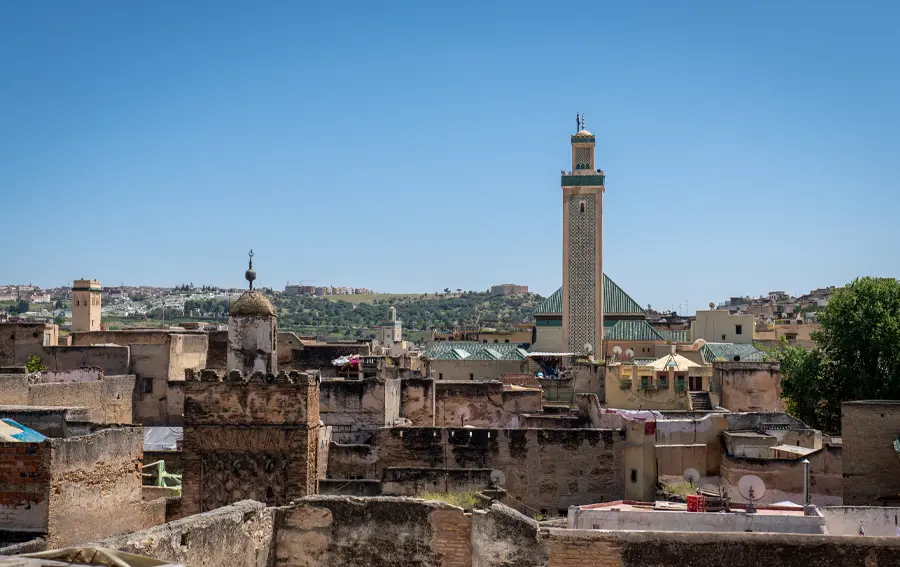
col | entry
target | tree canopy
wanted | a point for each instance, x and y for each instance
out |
(857, 355)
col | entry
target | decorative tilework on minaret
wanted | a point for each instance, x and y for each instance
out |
(582, 291)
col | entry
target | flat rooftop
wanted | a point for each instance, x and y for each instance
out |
(662, 507)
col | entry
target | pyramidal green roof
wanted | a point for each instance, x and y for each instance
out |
(728, 351)
(615, 301)
(632, 330)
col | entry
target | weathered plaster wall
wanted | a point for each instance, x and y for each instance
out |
(475, 369)
(217, 350)
(49, 421)
(114, 360)
(749, 386)
(95, 487)
(327, 531)
(868, 430)
(239, 535)
(251, 344)
(416, 482)
(704, 431)
(416, 401)
(784, 477)
(876, 520)
(458, 403)
(18, 341)
(502, 537)
(548, 469)
(186, 351)
(677, 521)
(356, 408)
(107, 399)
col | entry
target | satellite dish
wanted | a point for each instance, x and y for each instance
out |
(630, 352)
(405, 352)
(692, 476)
(588, 347)
(378, 350)
(712, 305)
(617, 349)
(752, 488)
(498, 478)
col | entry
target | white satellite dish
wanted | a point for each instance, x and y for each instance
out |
(617, 350)
(588, 347)
(692, 476)
(498, 478)
(751, 488)
(630, 352)
(378, 350)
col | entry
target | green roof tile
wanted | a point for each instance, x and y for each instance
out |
(681, 336)
(472, 350)
(727, 351)
(632, 330)
(615, 301)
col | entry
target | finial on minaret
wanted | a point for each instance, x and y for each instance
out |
(250, 274)
(583, 127)
(577, 123)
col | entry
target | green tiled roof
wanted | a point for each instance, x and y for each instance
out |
(632, 330)
(472, 350)
(682, 336)
(615, 301)
(643, 360)
(727, 351)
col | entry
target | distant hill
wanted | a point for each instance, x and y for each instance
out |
(439, 312)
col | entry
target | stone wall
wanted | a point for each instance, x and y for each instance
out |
(325, 531)
(869, 429)
(239, 535)
(18, 341)
(547, 469)
(749, 386)
(416, 482)
(249, 438)
(357, 408)
(95, 487)
(416, 401)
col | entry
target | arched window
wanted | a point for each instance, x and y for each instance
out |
(582, 206)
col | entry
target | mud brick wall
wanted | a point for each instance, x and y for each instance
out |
(95, 487)
(217, 350)
(582, 548)
(325, 531)
(868, 431)
(416, 482)
(547, 469)
(24, 487)
(249, 438)
(458, 403)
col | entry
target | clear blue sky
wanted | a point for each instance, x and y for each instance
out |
(748, 146)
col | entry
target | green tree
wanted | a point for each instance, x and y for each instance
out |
(858, 354)
(20, 307)
(35, 364)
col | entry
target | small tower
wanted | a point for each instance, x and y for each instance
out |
(86, 305)
(252, 331)
(391, 333)
(582, 291)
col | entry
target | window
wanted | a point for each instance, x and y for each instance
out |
(662, 383)
(723, 338)
(148, 385)
(582, 206)
(471, 376)
(634, 475)
(440, 376)
(738, 329)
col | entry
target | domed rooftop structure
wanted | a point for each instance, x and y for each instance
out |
(584, 134)
(253, 303)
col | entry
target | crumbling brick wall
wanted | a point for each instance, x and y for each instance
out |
(24, 487)
(249, 438)
(357, 408)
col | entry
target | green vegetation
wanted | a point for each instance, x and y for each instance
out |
(676, 491)
(35, 364)
(418, 312)
(465, 500)
(857, 358)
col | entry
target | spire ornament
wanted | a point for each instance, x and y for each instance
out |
(250, 274)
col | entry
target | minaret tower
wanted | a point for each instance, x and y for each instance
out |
(582, 290)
